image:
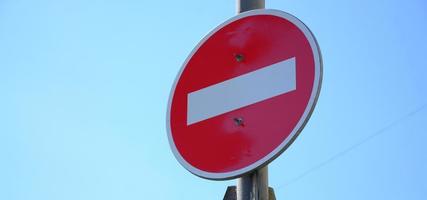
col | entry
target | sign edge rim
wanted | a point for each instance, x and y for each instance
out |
(298, 127)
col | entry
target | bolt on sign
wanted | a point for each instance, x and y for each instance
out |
(244, 94)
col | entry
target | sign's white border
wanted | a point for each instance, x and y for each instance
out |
(297, 129)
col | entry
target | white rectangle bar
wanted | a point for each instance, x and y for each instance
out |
(244, 90)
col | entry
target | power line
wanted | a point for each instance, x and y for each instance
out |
(354, 146)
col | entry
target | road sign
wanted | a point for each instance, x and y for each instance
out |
(243, 94)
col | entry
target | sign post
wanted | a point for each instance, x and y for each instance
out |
(246, 5)
(242, 97)
(253, 186)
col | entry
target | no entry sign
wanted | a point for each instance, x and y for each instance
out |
(243, 94)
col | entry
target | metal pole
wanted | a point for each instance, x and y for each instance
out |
(253, 186)
(245, 5)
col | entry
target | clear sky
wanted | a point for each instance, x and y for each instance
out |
(84, 88)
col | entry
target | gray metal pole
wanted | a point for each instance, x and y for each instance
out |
(245, 5)
(253, 186)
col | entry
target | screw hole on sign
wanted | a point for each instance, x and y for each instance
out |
(239, 121)
(239, 57)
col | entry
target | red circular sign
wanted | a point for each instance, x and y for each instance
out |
(243, 94)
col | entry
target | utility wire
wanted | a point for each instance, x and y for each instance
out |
(354, 146)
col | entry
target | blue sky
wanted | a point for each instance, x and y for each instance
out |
(84, 87)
